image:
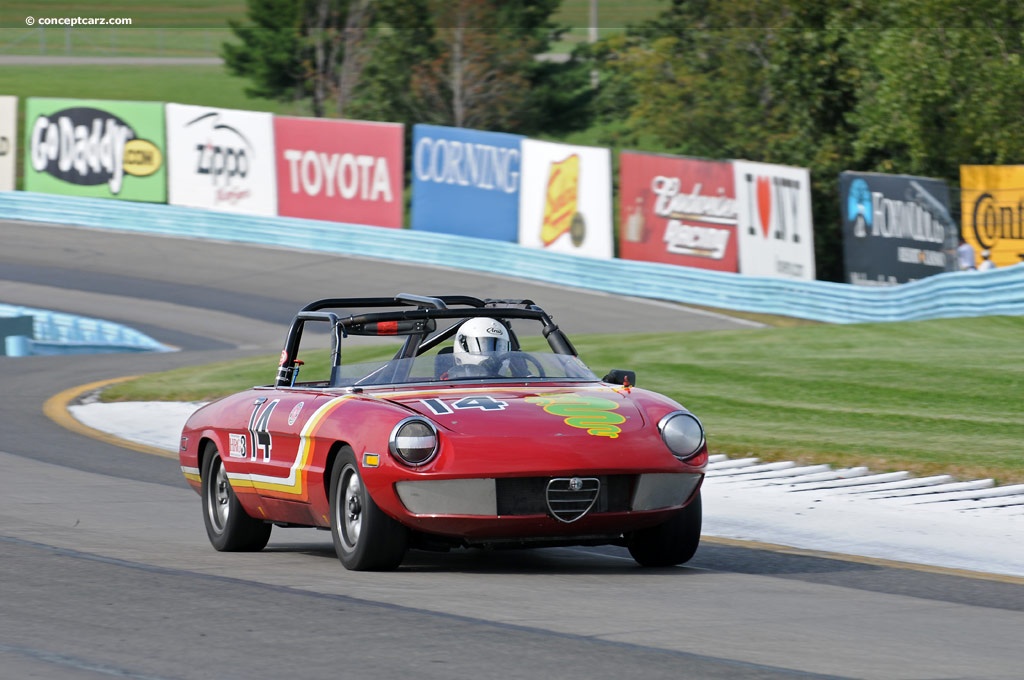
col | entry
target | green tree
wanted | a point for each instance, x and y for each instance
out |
(469, 63)
(946, 88)
(303, 49)
(269, 52)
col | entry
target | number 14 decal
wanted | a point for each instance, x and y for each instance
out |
(439, 408)
(259, 429)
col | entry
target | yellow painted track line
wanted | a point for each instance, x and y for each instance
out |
(859, 559)
(56, 409)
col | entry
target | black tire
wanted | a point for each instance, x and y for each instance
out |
(364, 537)
(669, 543)
(229, 527)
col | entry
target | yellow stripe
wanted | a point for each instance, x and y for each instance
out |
(56, 409)
(305, 451)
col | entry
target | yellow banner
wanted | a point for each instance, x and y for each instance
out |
(992, 201)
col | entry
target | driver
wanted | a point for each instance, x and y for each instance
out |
(481, 345)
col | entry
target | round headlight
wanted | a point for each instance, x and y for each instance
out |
(413, 441)
(683, 434)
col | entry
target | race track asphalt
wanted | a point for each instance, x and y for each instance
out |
(106, 570)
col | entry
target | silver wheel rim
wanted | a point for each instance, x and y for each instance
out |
(350, 509)
(219, 497)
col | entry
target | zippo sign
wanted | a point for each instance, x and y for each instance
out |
(565, 204)
(678, 210)
(340, 170)
(466, 182)
(775, 226)
(221, 159)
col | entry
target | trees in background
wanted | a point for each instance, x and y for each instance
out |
(467, 63)
(896, 86)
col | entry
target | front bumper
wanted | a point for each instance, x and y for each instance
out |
(565, 499)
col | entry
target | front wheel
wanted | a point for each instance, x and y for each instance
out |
(228, 526)
(670, 543)
(364, 537)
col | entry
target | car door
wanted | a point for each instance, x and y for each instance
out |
(278, 455)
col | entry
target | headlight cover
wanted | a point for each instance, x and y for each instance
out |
(414, 441)
(682, 433)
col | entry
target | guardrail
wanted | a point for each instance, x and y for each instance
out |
(58, 333)
(954, 294)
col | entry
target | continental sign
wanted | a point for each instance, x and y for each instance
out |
(103, 149)
(992, 205)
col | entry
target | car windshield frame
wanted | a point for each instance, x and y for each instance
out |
(427, 326)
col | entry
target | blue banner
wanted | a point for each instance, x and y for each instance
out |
(466, 182)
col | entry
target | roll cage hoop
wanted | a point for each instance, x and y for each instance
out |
(412, 316)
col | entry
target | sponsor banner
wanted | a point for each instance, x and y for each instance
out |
(466, 182)
(678, 210)
(992, 204)
(103, 149)
(896, 228)
(776, 229)
(340, 170)
(221, 159)
(565, 204)
(8, 141)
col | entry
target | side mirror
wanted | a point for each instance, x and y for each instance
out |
(618, 376)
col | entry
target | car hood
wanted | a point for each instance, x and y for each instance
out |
(553, 411)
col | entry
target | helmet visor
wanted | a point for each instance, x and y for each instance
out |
(485, 345)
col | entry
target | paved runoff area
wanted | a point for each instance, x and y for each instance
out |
(934, 521)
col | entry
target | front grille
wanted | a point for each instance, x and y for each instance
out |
(569, 498)
(530, 495)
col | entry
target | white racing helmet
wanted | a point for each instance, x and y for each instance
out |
(479, 339)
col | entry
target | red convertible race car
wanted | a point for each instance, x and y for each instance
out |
(467, 434)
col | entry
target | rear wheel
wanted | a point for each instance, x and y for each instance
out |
(364, 537)
(669, 543)
(229, 527)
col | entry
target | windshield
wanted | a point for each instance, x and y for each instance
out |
(441, 368)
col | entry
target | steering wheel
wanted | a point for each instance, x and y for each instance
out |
(517, 364)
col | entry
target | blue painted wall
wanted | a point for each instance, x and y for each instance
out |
(953, 294)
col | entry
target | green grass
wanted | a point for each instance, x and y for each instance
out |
(201, 85)
(196, 28)
(612, 17)
(930, 397)
(170, 28)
